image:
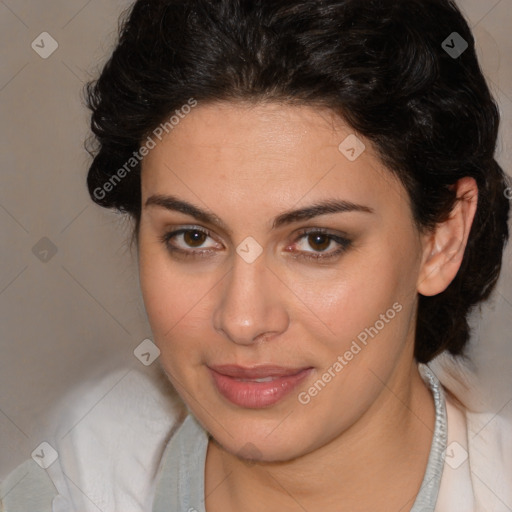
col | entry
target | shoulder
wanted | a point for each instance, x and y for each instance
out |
(477, 473)
(109, 442)
(490, 457)
(112, 453)
(26, 489)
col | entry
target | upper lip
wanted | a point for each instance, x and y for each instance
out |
(256, 372)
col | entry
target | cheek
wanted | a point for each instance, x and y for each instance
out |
(177, 300)
(365, 314)
(352, 297)
(157, 289)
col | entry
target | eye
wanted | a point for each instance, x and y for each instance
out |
(185, 240)
(320, 241)
(190, 242)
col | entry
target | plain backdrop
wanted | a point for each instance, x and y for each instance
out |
(70, 306)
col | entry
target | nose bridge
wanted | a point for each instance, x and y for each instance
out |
(250, 305)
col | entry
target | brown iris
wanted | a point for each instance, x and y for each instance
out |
(194, 238)
(319, 242)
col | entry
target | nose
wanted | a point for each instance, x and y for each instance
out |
(251, 308)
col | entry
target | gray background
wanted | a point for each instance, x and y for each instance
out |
(78, 317)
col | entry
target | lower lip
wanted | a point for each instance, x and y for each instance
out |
(256, 395)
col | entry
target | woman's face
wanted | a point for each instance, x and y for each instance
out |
(280, 330)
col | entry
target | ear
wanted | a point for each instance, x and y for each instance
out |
(443, 248)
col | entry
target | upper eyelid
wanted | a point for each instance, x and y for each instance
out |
(299, 232)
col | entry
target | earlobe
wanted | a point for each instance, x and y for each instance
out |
(445, 246)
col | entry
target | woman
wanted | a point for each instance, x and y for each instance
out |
(316, 209)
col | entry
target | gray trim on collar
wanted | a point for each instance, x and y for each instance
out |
(427, 496)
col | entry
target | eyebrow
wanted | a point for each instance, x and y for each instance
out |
(329, 206)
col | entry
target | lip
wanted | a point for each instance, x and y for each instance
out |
(238, 385)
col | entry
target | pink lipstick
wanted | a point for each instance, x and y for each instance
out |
(257, 386)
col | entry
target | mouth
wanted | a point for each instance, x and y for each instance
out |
(256, 372)
(258, 386)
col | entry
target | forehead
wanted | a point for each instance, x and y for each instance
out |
(279, 154)
(232, 129)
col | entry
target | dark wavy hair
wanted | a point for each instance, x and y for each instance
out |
(383, 66)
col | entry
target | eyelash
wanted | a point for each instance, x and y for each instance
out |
(344, 244)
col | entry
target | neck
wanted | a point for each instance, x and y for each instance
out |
(380, 467)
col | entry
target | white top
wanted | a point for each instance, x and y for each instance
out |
(110, 461)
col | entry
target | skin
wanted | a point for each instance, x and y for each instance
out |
(362, 443)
